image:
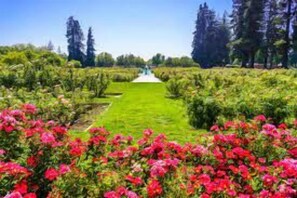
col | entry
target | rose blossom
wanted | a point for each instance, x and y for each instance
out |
(29, 109)
(64, 169)
(30, 195)
(51, 174)
(269, 180)
(47, 138)
(154, 188)
(14, 195)
(2, 152)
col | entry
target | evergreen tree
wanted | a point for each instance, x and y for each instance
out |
(222, 39)
(264, 25)
(198, 53)
(75, 39)
(253, 28)
(50, 46)
(293, 54)
(294, 34)
(210, 39)
(59, 51)
(287, 9)
(271, 33)
(237, 23)
(247, 23)
(90, 58)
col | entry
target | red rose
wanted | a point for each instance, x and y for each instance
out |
(293, 152)
(269, 180)
(154, 188)
(21, 187)
(47, 138)
(51, 174)
(30, 195)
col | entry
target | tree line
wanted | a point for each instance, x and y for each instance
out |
(88, 58)
(257, 31)
(105, 59)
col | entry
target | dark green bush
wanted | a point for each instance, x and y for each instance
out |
(275, 107)
(203, 111)
(30, 78)
(8, 79)
(176, 87)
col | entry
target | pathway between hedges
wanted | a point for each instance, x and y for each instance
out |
(145, 105)
(147, 79)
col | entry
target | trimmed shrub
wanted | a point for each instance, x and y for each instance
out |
(203, 111)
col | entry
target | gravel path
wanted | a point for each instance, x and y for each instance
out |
(147, 79)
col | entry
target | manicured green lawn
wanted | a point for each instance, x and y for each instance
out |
(142, 106)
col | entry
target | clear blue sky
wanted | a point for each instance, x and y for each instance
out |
(141, 27)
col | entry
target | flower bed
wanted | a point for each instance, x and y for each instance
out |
(238, 159)
(221, 94)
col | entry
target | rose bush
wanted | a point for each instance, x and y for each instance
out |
(60, 92)
(236, 159)
(221, 94)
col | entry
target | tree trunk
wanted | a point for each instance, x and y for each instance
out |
(266, 59)
(285, 58)
(271, 60)
(244, 61)
(252, 60)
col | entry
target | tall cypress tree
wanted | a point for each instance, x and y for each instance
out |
(294, 34)
(222, 40)
(59, 51)
(211, 42)
(288, 10)
(248, 18)
(237, 23)
(210, 39)
(264, 26)
(199, 36)
(271, 33)
(50, 46)
(75, 39)
(90, 58)
(293, 54)
(253, 28)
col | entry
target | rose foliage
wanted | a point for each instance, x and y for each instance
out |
(238, 159)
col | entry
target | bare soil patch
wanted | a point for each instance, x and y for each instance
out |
(88, 118)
